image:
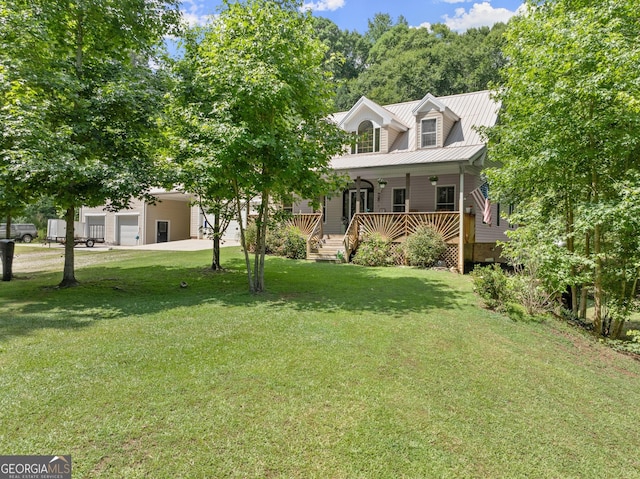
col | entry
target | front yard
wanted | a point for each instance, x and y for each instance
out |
(339, 371)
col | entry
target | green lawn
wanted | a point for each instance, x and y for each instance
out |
(338, 372)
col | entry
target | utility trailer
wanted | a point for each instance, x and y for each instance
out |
(83, 233)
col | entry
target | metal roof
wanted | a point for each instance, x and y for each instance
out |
(406, 157)
(463, 142)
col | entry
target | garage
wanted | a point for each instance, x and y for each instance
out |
(128, 231)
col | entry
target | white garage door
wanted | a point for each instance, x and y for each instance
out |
(128, 230)
(232, 233)
(95, 227)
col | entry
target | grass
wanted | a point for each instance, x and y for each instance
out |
(338, 371)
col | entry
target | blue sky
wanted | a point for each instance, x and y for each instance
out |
(353, 14)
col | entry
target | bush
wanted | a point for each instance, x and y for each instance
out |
(424, 247)
(281, 241)
(274, 241)
(375, 250)
(491, 284)
(251, 236)
(294, 245)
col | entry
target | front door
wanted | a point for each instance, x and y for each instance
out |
(163, 232)
(352, 202)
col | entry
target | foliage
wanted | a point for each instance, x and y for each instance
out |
(250, 236)
(569, 147)
(405, 63)
(424, 247)
(259, 69)
(527, 290)
(374, 250)
(630, 345)
(87, 67)
(491, 284)
(295, 244)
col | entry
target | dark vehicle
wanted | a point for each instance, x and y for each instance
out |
(24, 232)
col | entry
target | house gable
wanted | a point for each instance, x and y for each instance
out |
(389, 125)
(430, 113)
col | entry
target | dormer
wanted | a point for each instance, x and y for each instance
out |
(376, 127)
(434, 121)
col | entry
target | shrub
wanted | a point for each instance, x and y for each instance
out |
(274, 241)
(424, 247)
(631, 345)
(491, 284)
(529, 291)
(375, 250)
(251, 236)
(281, 240)
(294, 245)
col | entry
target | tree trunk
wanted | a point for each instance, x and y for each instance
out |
(598, 292)
(8, 225)
(584, 291)
(215, 262)
(68, 274)
(261, 247)
(243, 240)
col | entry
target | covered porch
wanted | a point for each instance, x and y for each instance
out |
(394, 201)
(396, 227)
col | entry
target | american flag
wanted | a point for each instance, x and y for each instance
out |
(481, 197)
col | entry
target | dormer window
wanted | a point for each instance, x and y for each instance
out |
(368, 138)
(429, 132)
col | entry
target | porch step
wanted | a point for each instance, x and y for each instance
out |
(328, 249)
(324, 257)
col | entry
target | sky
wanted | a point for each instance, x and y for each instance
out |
(459, 15)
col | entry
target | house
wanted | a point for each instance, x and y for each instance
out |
(172, 217)
(413, 163)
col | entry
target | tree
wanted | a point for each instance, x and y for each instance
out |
(89, 62)
(260, 112)
(405, 63)
(569, 147)
(22, 128)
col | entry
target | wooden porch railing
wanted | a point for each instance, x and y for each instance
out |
(397, 226)
(310, 224)
(352, 236)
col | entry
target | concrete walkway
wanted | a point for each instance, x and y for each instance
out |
(183, 245)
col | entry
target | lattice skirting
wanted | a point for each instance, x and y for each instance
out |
(450, 256)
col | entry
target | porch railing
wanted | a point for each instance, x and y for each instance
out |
(397, 226)
(310, 224)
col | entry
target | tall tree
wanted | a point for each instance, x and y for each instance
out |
(569, 145)
(89, 61)
(261, 108)
(405, 63)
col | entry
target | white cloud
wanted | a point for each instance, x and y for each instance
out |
(426, 25)
(193, 13)
(323, 5)
(481, 14)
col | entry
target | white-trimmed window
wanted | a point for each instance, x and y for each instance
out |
(399, 196)
(368, 138)
(445, 198)
(429, 132)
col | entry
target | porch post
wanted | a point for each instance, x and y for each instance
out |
(358, 195)
(407, 200)
(461, 225)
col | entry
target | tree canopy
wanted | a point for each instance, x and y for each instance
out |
(569, 144)
(393, 62)
(88, 65)
(252, 109)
